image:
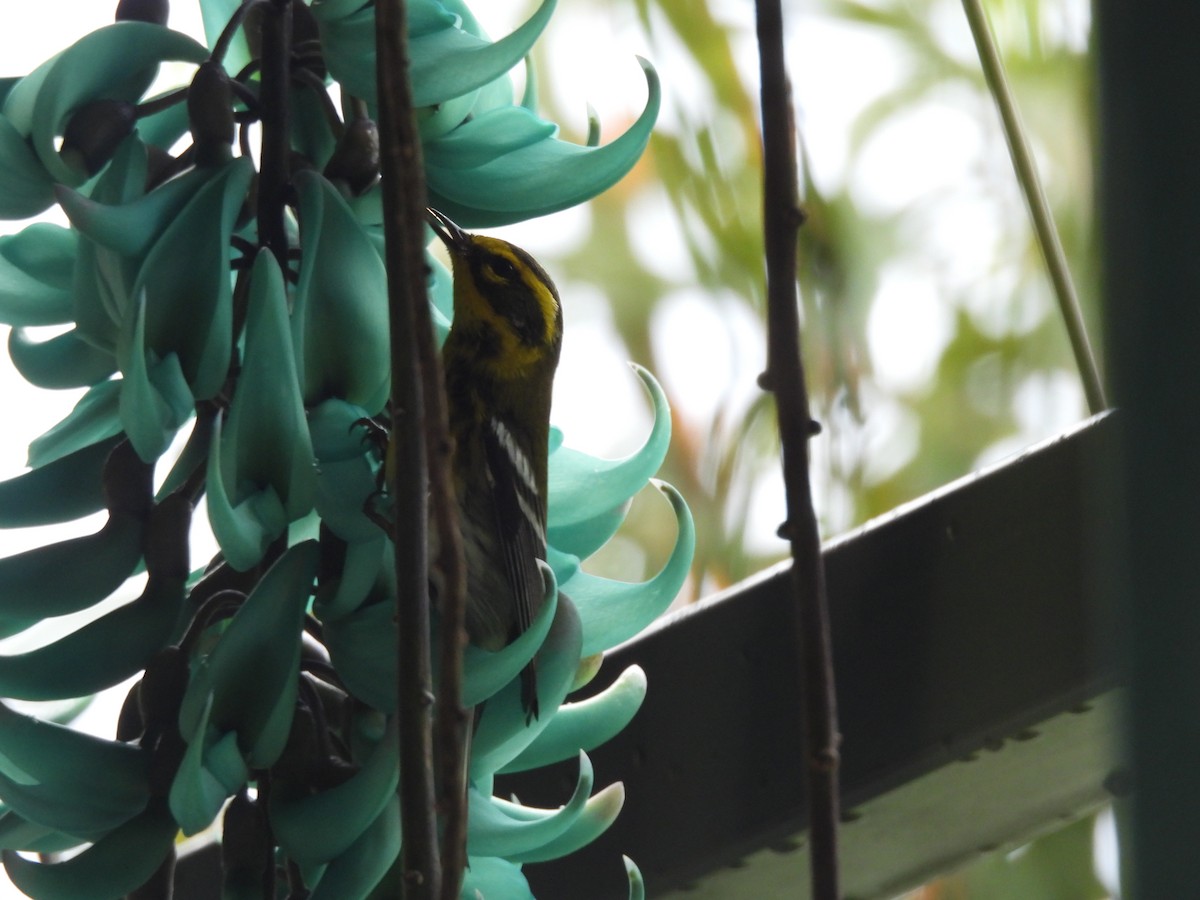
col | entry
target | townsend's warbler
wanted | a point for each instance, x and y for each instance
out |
(499, 359)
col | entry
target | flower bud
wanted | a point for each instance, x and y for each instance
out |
(355, 161)
(155, 11)
(210, 114)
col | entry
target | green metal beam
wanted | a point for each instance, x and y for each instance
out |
(975, 694)
(1149, 210)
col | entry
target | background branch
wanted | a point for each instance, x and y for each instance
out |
(784, 377)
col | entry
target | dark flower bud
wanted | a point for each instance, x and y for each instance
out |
(355, 161)
(306, 38)
(155, 11)
(94, 132)
(210, 114)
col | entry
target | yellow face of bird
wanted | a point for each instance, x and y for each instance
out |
(505, 302)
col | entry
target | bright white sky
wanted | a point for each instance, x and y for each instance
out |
(592, 61)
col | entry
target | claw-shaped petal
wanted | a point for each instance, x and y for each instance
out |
(614, 611)
(35, 275)
(212, 770)
(502, 732)
(114, 866)
(492, 876)
(598, 814)
(346, 474)
(68, 488)
(17, 833)
(537, 178)
(585, 724)
(503, 828)
(63, 361)
(119, 59)
(486, 672)
(261, 467)
(449, 59)
(95, 418)
(317, 828)
(340, 322)
(185, 279)
(588, 495)
(69, 575)
(131, 228)
(366, 861)
(100, 654)
(69, 781)
(260, 646)
(26, 188)
(155, 397)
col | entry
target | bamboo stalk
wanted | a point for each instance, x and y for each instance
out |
(1039, 208)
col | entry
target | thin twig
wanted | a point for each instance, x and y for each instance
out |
(784, 376)
(403, 204)
(1039, 209)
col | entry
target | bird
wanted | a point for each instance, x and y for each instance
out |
(499, 360)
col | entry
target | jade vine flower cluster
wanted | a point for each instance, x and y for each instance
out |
(265, 678)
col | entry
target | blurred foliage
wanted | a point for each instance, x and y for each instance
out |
(1001, 375)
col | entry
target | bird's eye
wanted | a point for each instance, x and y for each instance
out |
(503, 269)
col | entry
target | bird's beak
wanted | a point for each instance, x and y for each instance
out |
(451, 235)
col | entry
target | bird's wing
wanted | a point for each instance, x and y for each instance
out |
(520, 518)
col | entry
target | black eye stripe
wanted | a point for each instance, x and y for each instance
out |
(512, 286)
(522, 311)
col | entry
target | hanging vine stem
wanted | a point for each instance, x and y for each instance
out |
(274, 169)
(423, 445)
(1039, 209)
(784, 376)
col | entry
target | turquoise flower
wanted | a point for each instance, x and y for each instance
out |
(273, 665)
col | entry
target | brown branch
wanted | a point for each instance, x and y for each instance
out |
(403, 205)
(450, 734)
(784, 376)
